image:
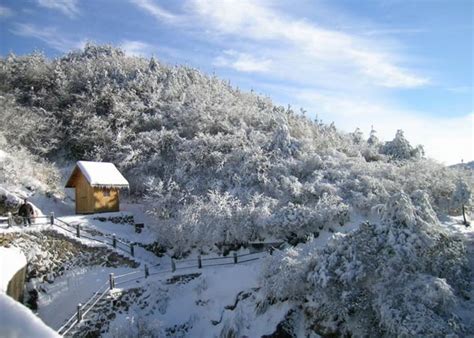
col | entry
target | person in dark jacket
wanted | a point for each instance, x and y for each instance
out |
(26, 211)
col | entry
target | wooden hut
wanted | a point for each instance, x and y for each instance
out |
(97, 187)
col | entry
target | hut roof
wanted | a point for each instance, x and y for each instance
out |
(98, 174)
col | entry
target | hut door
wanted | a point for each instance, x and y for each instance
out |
(82, 196)
(81, 200)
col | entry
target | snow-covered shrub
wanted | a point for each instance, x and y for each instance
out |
(9, 202)
(134, 325)
(26, 173)
(303, 220)
(177, 134)
(400, 149)
(461, 197)
(216, 219)
(414, 305)
(398, 277)
(284, 274)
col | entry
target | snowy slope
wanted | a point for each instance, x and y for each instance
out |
(465, 308)
(17, 321)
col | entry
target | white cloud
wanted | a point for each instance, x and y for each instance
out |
(48, 35)
(145, 49)
(242, 62)
(363, 61)
(153, 9)
(350, 75)
(67, 7)
(136, 48)
(394, 31)
(446, 139)
(5, 11)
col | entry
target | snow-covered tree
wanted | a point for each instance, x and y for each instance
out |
(401, 276)
(462, 197)
(177, 134)
(400, 149)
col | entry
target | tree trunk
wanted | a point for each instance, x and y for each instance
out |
(464, 216)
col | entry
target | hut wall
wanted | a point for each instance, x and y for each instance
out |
(106, 199)
(84, 196)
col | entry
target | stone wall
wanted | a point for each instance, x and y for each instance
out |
(16, 286)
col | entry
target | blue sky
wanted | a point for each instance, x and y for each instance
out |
(390, 64)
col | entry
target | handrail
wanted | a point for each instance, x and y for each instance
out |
(126, 274)
(118, 241)
(94, 299)
(93, 303)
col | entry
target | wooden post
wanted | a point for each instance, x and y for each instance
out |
(10, 219)
(51, 218)
(173, 265)
(132, 250)
(78, 231)
(111, 280)
(235, 257)
(199, 262)
(114, 241)
(147, 273)
(79, 312)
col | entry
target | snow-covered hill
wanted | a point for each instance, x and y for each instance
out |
(212, 168)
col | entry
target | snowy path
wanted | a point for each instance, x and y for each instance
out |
(59, 299)
(465, 309)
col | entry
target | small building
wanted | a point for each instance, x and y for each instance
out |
(97, 187)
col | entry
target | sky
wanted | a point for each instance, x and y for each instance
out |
(381, 64)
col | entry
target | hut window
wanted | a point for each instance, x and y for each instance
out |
(106, 192)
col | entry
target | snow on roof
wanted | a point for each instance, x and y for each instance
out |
(11, 261)
(102, 174)
(17, 320)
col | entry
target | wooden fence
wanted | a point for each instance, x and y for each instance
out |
(174, 265)
(113, 281)
(153, 270)
(78, 231)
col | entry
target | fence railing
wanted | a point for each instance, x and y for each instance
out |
(76, 229)
(174, 265)
(81, 232)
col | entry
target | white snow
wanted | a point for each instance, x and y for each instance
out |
(465, 309)
(10, 197)
(100, 174)
(60, 299)
(202, 301)
(123, 231)
(18, 321)
(11, 261)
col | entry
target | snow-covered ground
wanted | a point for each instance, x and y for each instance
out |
(123, 231)
(465, 309)
(73, 288)
(204, 303)
(18, 321)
